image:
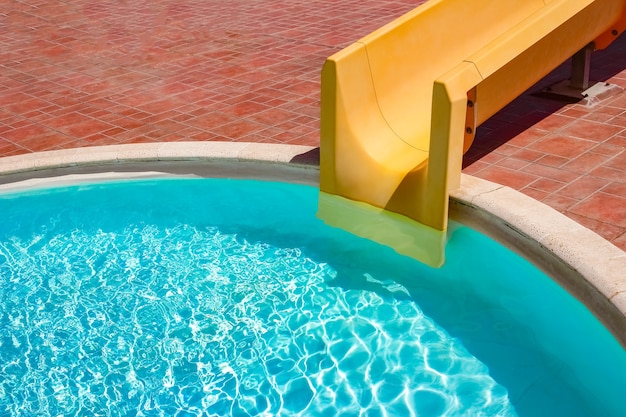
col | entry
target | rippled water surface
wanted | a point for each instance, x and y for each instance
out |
(229, 298)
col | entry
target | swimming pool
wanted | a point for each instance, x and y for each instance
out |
(229, 297)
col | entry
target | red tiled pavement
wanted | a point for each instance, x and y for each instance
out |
(78, 73)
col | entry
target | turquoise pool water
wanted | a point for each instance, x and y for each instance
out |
(213, 297)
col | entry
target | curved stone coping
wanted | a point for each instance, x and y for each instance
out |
(584, 263)
(167, 151)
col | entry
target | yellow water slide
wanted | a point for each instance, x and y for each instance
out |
(400, 106)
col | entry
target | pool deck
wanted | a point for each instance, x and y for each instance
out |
(77, 74)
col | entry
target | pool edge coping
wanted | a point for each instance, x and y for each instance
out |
(599, 262)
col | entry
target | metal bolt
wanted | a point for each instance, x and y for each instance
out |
(468, 130)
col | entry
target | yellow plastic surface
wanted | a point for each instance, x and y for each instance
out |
(395, 119)
(406, 236)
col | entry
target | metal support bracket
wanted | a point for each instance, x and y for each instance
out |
(581, 63)
(579, 89)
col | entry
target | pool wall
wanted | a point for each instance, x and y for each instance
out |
(588, 266)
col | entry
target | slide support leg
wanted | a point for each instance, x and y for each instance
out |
(581, 62)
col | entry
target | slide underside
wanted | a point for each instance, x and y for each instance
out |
(400, 106)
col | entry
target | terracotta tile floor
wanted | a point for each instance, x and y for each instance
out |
(77, 73)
